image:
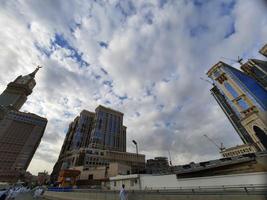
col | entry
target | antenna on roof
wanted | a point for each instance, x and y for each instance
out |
(170, 158)
(239, 60)
(203, 79)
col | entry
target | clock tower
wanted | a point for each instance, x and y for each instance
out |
(15, 95)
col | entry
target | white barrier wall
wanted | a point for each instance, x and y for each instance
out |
(170, 181)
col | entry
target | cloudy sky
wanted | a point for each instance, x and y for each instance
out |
(142, 57)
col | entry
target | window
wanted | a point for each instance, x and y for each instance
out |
(242, 104)
(90, 176)
(230, 89)
(115, 183)
(100, 124)
(216, 74)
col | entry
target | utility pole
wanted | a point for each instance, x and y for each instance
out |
(135, 143)
(170, 158)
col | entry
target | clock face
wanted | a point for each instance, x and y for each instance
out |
(23, 80)
(31, 84)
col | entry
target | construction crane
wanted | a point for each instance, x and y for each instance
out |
(221, 148)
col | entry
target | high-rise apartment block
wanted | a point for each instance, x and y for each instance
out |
(20, 132)
(79, 132)
(102, 130)
(96, 139)
(243, 98)
(108, 132)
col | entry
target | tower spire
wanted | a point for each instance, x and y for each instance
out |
(35, 71)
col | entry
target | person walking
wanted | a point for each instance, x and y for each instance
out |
(3, 194)
(123, 193)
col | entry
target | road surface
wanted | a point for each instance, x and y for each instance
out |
(27, 196)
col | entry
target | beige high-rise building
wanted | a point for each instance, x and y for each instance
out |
(20, 132)
(247, 98)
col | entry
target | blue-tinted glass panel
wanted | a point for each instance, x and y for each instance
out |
(99, 123)
(231, 89)
(98, 134)
(243, 104)
(258, 72)
(256, 90)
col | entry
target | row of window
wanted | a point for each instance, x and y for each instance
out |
(238, 152)
(241, 102)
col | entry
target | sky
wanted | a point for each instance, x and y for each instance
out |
(141, 57)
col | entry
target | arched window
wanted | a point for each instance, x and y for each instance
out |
(261, 135)
(231, 90)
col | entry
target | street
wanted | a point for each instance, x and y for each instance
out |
(27, 196)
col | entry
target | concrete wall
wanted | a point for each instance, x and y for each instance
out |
(170, 181)
(131, 182)
(148, 182)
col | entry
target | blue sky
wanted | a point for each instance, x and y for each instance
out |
(144, 58)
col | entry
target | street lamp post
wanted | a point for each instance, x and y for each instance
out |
(135, 143)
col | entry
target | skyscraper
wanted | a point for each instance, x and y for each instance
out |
(20, 132)
(20, 135)
(15, 95)
(79, 132)
(231, 115)
(96, 140)
(247, 98)
(108, 132)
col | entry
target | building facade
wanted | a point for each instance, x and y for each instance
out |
(108, 132)
(231, 115)
(263, 50)
(79, 132)
(20, 132)
(256, 69)
(95, 140)
(239, 150)
(158, 165)
(15, 95)
(247, 98)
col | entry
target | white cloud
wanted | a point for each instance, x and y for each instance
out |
(155, 55)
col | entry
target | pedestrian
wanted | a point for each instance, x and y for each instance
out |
(3, 194)
(123, 193)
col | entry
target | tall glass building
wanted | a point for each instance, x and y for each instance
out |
(79, 132)
(108, 132)
(231, 115)
(96, 139)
